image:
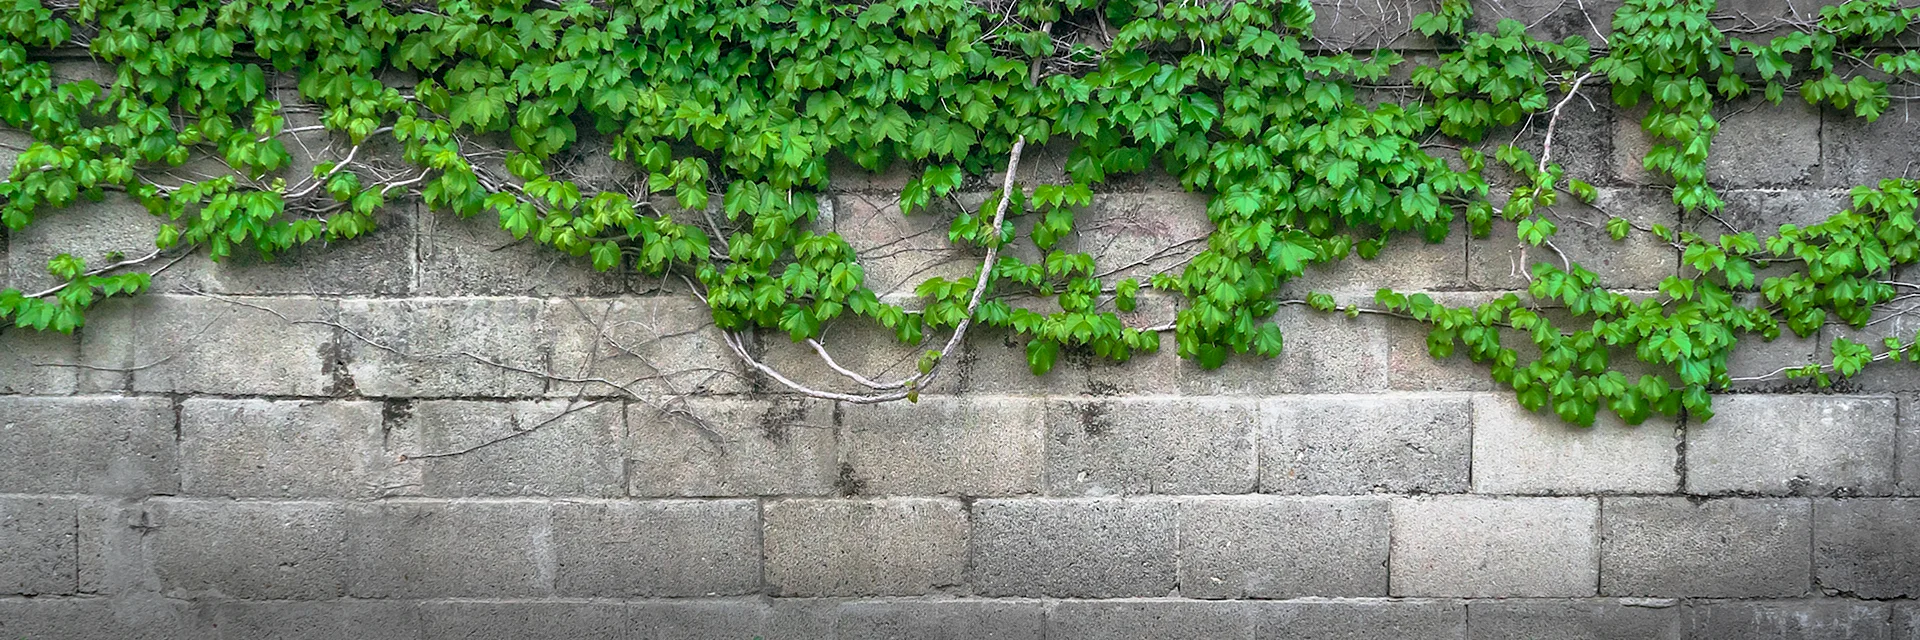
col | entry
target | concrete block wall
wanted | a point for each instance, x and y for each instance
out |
(419, 435)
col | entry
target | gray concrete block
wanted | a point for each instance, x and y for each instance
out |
(875, 352)
(1906, 621)
(475, 257)
(1163, 619)
(1494, 547)
(1407, 263)
(1762, 211)
(1638, 262)
(249, 550)
(696, 620)
(433, 549)
(328, 620)
(97, 445)
(1856, 152)
(1353, 26)
(1363, 444)
(525, 619)
(283, 449)
(30, 361)
(146, 618)
(1730, 548)
(1794, 445)
(1791, 620)
(941, 620)
(1073, 548)
(731, 447)
(672, 548)
(432, 348)
(101, 233)
(1577, 620)
(1324, 353)
(1360, 620)
(1550, 20)
(1760, 144)
(1516, 451)
(1866, 547)
(1261, 547)
(975, 446)
(224, 346)
(899, 251)
(655, 345)
(380, 263)
(1584, 137)
(520, 448)
(1126, 446)
(892, 547)
(43, 537)
(1909, 447)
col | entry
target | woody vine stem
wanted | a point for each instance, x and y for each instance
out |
(751, 99)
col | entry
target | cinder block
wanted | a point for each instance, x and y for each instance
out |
(1164, 619)
(892, 547)
(1516, 451)
(475, 257)
(697, 620)
(1128, 446)
(1856, 152)
(97, 445)
(283, 449)
(1584, 137)
(1577, 620)
(731, 447)
(1791, 620)
(328, 620)
(1550, 20)
(1640, 261)
(1398, 618)
(524, 619)
(521, 448)
(379, 263)
(1407, 263)
(38, 362)
(1866, 547)
(972, 446)
(941, 620)
(872, 351)
(1073, 548)
(1729, 548)
(1152, 231)
(1323, 353)
(1345, 26)
(655, 345)
(897, 251)
(1760, 144)
(223, 345)
(1494, 547)
(446, 348)
(42, 536)
(1909, 438)
(1906, 621)
(1261, 547)
(249, 550)
(1794, 445)
(433, 549)
(101, 233)
(88, 618)
(1363, 444)
(672, 548)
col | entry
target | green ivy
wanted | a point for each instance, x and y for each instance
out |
(750, 100)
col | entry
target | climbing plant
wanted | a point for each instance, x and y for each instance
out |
(750, 100)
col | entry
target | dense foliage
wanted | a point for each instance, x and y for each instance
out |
(750, 99)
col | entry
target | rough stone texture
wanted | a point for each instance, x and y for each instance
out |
(377, 264)
(1855, 152)
(1906, 621)
(42, 538)
(522, 448)
(1516, 451)
(674, 548)
(1638, 262)
(1284, 547)
(1361, 444)
(1791, 620)
(900, 546)
(664, 345)
(1548, 19)
(1761, 144)
(1082, 548)
(220, 346)
(423, 549)
(1123, 446)
(698, 620)
(944, 446)
(509, 620)
(28, 359)
(1360, 619)
(474, 257)
(433, 348)
(267, 550)
(940, 620)
(1730, 548)
(1352, 25)
(1577, 620)
(1909, 451)
(738, 448)
(86, 618)
(1866, 547)
(1494, 547)
(1171, 620)
(284, 620)
(283, 449)
(1798, 445)
(108, 446)
(101, 233)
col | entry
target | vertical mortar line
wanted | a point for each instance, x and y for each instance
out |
(419, 236)
(1680, 454)
(760, 539)
(1473, 418)
(1599, 546)
(1813, 537)
(1899, 442)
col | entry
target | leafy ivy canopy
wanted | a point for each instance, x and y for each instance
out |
(750, 100)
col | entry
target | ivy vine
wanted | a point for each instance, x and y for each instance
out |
(749, 100)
